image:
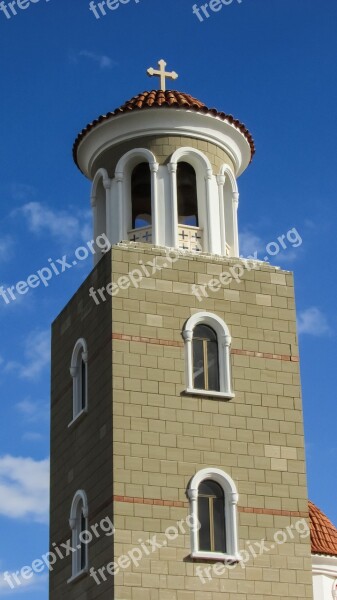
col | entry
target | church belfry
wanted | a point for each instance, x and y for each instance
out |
(177, 447)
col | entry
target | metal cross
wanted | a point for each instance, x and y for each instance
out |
(162, 74)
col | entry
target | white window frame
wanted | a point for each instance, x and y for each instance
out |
(79, 506)
(224, 347)
(231, 500)
(80, 353)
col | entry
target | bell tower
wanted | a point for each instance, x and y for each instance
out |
(177, 452)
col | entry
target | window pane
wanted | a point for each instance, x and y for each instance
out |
(198, 365)
(204, 520)
(210, 488)
(83, 546)
(213, 366)
(204, 332)
(219, 525)
(83, 385)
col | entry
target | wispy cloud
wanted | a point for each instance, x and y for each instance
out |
(61, 225)
(6, 248)
(24, 488)
(33, 436)
(36, 354)
(36, 583)
(250, 243)
(33, 411)
(102, 60)
(312, 321)
(22, 191)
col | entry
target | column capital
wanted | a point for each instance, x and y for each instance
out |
(192, 494)
(236, 197)
(209, 174)
(172, 167)
(107, 183)
(119, 177)
(93, 201)
(187, 335)
(154, 167)
(221, 179)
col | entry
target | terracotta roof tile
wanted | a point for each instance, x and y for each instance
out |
(161, 99)
(323, 532)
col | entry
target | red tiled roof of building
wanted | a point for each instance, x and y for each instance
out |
(161, 99)
(323, 532)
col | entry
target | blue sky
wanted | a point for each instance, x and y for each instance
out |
(272, 65)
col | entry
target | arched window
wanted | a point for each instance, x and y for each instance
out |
(187, 195)
(207, 356)
(211, 514)
(141, 196)
(205, 359)
(79, 373)
(213, 499)
(79, 526)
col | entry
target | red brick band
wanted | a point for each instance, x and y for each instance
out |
(242, 509)
(158, 342)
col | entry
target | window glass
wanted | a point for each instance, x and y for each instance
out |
(205, 359)
(83, 385)
(211, 515)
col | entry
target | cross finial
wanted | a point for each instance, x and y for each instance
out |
(162, 74)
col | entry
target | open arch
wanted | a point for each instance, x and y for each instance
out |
(129, 201)
(228, 206)
(198, 238)
(99, 201)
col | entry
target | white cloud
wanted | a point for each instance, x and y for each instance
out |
(62, 225)
(103, 61)
(250, 244)
(6, 247)
(32, 436)
(37, 355)
(313, 322)
(24, 488)
(34, 584)
(33, 411)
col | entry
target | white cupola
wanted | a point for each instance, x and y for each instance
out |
(164, 170)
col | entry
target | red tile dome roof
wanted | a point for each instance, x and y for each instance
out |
(161, 99)
(323, 532)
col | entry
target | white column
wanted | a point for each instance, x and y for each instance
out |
(226, 374)
(234, 521)
(193, 497)
(221, 179)
(94, 218)
(235, 206)
(172, 169)
(107, 186)
(154, 205)
(122, 228)
(188, 337)
(209, 210)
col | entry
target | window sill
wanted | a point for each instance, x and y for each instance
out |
(215, 556)
(78, 576)
(209, 393)
(79, 417)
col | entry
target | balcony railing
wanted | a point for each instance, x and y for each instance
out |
(142, 234)
(190, 238)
